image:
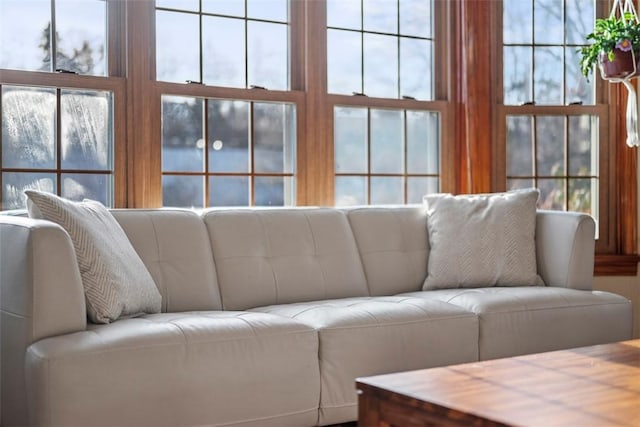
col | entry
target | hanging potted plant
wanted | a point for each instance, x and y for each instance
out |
(615, 47)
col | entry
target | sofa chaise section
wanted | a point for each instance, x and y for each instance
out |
(566, 313)
(523, 320)
(515, 320)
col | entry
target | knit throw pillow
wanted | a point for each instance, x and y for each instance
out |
(482, 240)
(116, 282)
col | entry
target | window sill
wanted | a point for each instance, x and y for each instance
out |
(616, 265)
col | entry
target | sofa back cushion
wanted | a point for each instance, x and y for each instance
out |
(393, 245)
(274, 256)
(173, 244)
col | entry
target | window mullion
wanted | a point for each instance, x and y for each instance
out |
(252, 154)
(566, 161)
(58, 141)
(53, 40)
(205, 138)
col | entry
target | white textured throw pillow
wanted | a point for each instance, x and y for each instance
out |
(116, 282)
(482, 240)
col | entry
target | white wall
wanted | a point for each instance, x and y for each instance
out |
(628, 287)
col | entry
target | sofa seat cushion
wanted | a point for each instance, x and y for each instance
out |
(533, 319)
(375, 335)
(178, 369)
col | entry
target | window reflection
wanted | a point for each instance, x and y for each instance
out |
(380, 48)
(34, 131)
(566, 161)
(385, 156)
(222, 43)
(248, 157)
(80, 35)
(541, 39)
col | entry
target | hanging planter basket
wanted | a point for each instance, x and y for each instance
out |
(625, 64)
(616, 49)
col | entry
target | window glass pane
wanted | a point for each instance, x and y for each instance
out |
(268, 55)
(423, 142)
(416, 76)
(234, 166)
(24, 34)
(274, 138)
(191, 5)
(229, 137)
(517, 184)
(547, 76)
(387, 190)
(415, 18)
(350, 139)
(182, 134)
(417, 188)
(272, 10)
(517, 75)
(580, 191)
(380, 16)
(517, 21)
(224, 7)
(387, 145)
(350, 190)
(223, 53)
(14, 184)
(550, 145)
(380, 65)
(82, 33)
(229, 191)
(579, 19)
(344, 14)
(28, 127)
(556, 79)
(583, 159)
(177, 46)
(87, 186)
(552, 194)
(549, 21)
(344, 61)
(86, 130)
(273, 191)
(577, 88)
(519, 149)
(183, 191)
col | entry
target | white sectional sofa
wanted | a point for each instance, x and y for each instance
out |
(269, 315)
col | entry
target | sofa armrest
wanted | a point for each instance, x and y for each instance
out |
(41, 295)
(565, 249)
(39, 278)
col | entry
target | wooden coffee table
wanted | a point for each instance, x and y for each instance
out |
(588, 386)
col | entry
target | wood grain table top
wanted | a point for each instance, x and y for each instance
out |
(587, 386)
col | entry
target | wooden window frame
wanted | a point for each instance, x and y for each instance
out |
(318, 91)
(145, 181)
(466, 98)
(477, 82)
